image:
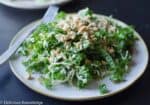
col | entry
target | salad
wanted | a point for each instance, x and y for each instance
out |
(77, 49)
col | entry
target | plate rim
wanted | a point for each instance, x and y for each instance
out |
(83, 98)
(42, 6)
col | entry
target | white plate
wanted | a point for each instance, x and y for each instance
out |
(31, 4)
(66, 92)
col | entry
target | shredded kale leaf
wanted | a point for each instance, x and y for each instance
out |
(103, 89)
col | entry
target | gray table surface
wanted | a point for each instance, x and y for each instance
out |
(135, 12)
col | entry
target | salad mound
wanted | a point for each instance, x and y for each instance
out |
(77, 49)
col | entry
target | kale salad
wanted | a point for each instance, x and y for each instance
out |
(77, 49)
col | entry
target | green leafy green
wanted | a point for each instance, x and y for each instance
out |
(86, 12)
(61, 15)
(103, 89)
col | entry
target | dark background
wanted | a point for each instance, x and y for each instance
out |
(135, 12)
